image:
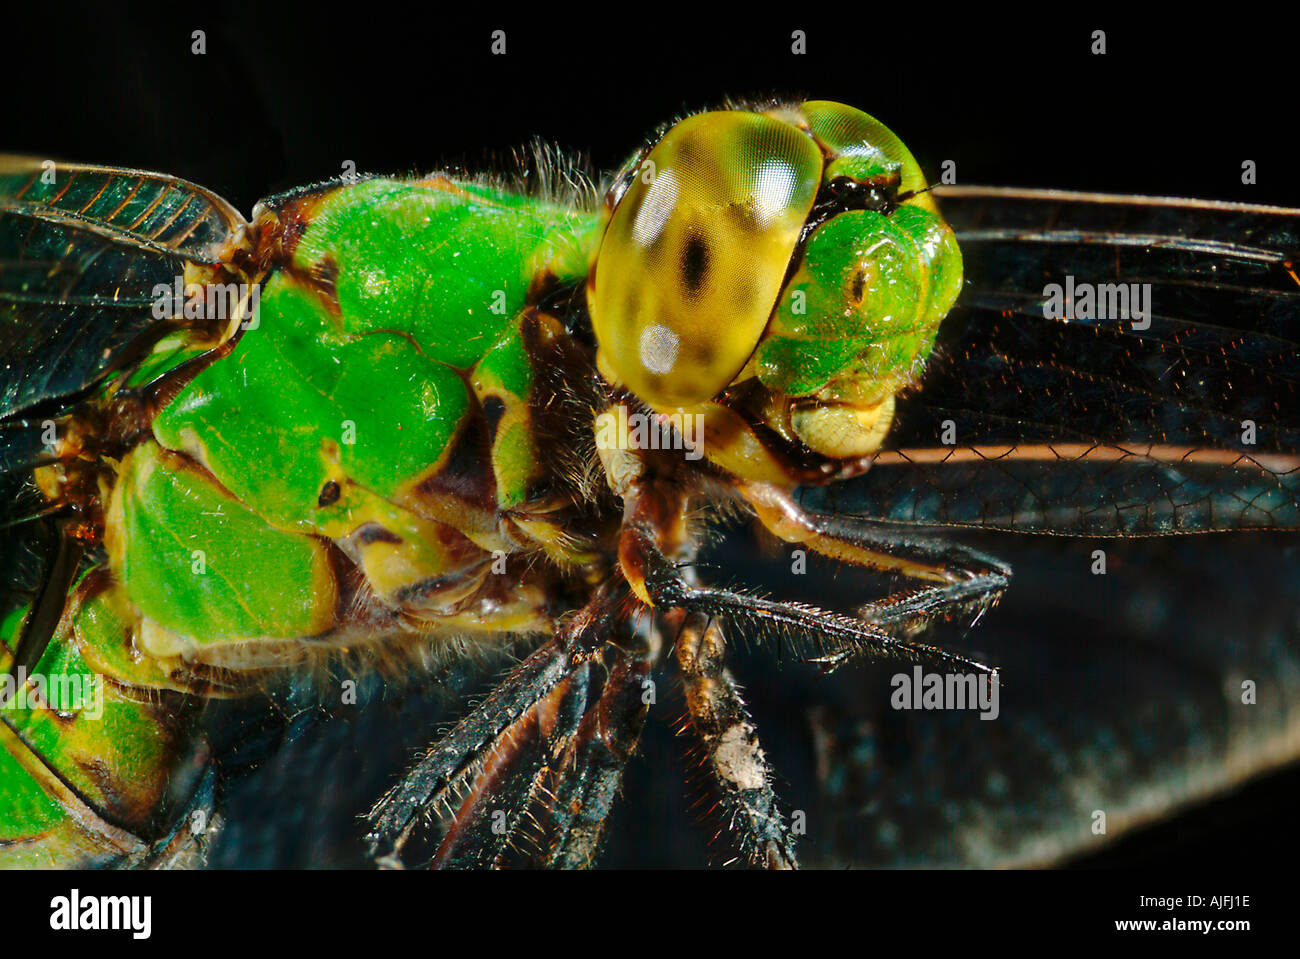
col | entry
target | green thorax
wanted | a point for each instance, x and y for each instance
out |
(448, 263)
(367, 359)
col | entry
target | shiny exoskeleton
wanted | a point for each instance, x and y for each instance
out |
(432, 414)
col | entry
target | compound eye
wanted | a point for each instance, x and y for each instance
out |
(695, 253)
(862, 146)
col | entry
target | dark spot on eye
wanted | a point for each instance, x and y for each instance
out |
(695, 262)
(329, 494)
(493, 409)
(859, 285)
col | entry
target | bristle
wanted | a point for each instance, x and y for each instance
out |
(398, 658)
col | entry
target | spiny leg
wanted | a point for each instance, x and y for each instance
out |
(959, 581)
(732, 752)
(834, 636)
(549, 781)
(492, 817)
(454, 758)
(457, 755)
(589, 777)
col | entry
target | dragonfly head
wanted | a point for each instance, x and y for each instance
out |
(785, 264)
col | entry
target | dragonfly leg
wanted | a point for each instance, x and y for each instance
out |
(717, 713)
(591, 771)
(959, 582)
(458, 756)
(834, 636)
(547, 785)
(495, 814)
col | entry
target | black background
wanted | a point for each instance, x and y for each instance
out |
(285, 97)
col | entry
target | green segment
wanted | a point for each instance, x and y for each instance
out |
(399, 314)
(29, 810)
(91, 728)
(83, 757)
(299, 405)
(203, 566)
(353, 378)
(865, 303)
(450, 265)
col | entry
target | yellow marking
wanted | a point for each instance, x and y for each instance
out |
(781, 516)
(1087, 452)
(730, 444)
(558, 544)
(61, 792)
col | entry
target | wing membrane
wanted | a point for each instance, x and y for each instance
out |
(1089, 425)
(81, 250)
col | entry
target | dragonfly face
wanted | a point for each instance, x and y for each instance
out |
(423, 438)
(786, 266)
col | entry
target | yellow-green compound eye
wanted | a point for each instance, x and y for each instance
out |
(862, 147)
(692, 261)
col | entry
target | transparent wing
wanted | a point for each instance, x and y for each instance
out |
(81, 250)
(1123, 693)
(1089, 425)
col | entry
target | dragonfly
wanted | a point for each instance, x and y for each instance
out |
(402, 424)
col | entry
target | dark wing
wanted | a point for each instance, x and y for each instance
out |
(1091, 426)
(81, 250)
(1122, 693)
